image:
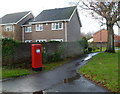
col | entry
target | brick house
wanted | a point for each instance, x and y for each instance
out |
(102, 37)
(60, 24)
(10, 24)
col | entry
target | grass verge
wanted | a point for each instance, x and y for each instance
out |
(103, 69)
(8, 73)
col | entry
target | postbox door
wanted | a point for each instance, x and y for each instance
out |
(36, 56)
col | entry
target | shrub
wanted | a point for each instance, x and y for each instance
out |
(45, 57)
(8, 45)
(57, 55)
(84, 42)
(89, 49)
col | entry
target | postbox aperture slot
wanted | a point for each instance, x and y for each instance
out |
(37, 50)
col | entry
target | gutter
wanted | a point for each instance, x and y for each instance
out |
(48, 21)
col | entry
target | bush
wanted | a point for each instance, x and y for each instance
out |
(45, 57)
(89, 49)
(8, 46)
(54, 56)
(84, 42)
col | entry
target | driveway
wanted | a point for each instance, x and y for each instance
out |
(62, 79)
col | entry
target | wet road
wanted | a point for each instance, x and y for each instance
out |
(62, 79)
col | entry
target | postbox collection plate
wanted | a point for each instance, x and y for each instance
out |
(37, 50)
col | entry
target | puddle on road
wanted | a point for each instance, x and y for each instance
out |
(71, 79)
(90, 56)
(87, 58)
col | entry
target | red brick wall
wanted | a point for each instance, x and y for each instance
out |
(101, 36)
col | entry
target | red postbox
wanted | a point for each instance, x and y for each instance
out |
(36, 57)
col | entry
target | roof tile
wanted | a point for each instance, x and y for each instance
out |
(55, 14)
(13, 17)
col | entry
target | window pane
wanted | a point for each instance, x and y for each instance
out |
(29, 29)
(60, 25)
(53, 26)
(57, 26)
(8, 28)
(39, 27)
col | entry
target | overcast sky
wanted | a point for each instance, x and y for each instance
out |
(36, 6)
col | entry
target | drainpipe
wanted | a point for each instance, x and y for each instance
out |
(65, 31)
(13, 32)
(22, 34)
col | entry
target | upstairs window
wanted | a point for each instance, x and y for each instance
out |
(39, 27)
(8, 28)
(28, 29)
(57, 26)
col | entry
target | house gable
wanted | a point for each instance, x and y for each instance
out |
(14, 18)
(73, 27)
(8, 20)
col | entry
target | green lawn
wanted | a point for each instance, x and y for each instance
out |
(8, 73)
(103, 69)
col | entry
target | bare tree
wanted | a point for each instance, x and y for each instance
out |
(88, 35)
(110, 11)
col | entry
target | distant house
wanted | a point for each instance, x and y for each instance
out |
(10, 24)
(102, 37)
(60, 24)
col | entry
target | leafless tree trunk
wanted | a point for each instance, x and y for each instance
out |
(110, 46)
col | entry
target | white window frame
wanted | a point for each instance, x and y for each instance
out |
(8, 28)
(28, 41)
(56, 26)
(41, 40)
(28, 29)
(60, 40)
(39, 27)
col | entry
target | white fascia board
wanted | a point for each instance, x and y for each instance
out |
(48, 21)
(8, 24)
(77, 15)
(79, 18)
(23, 17)
(17, 21)
(72, 14)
